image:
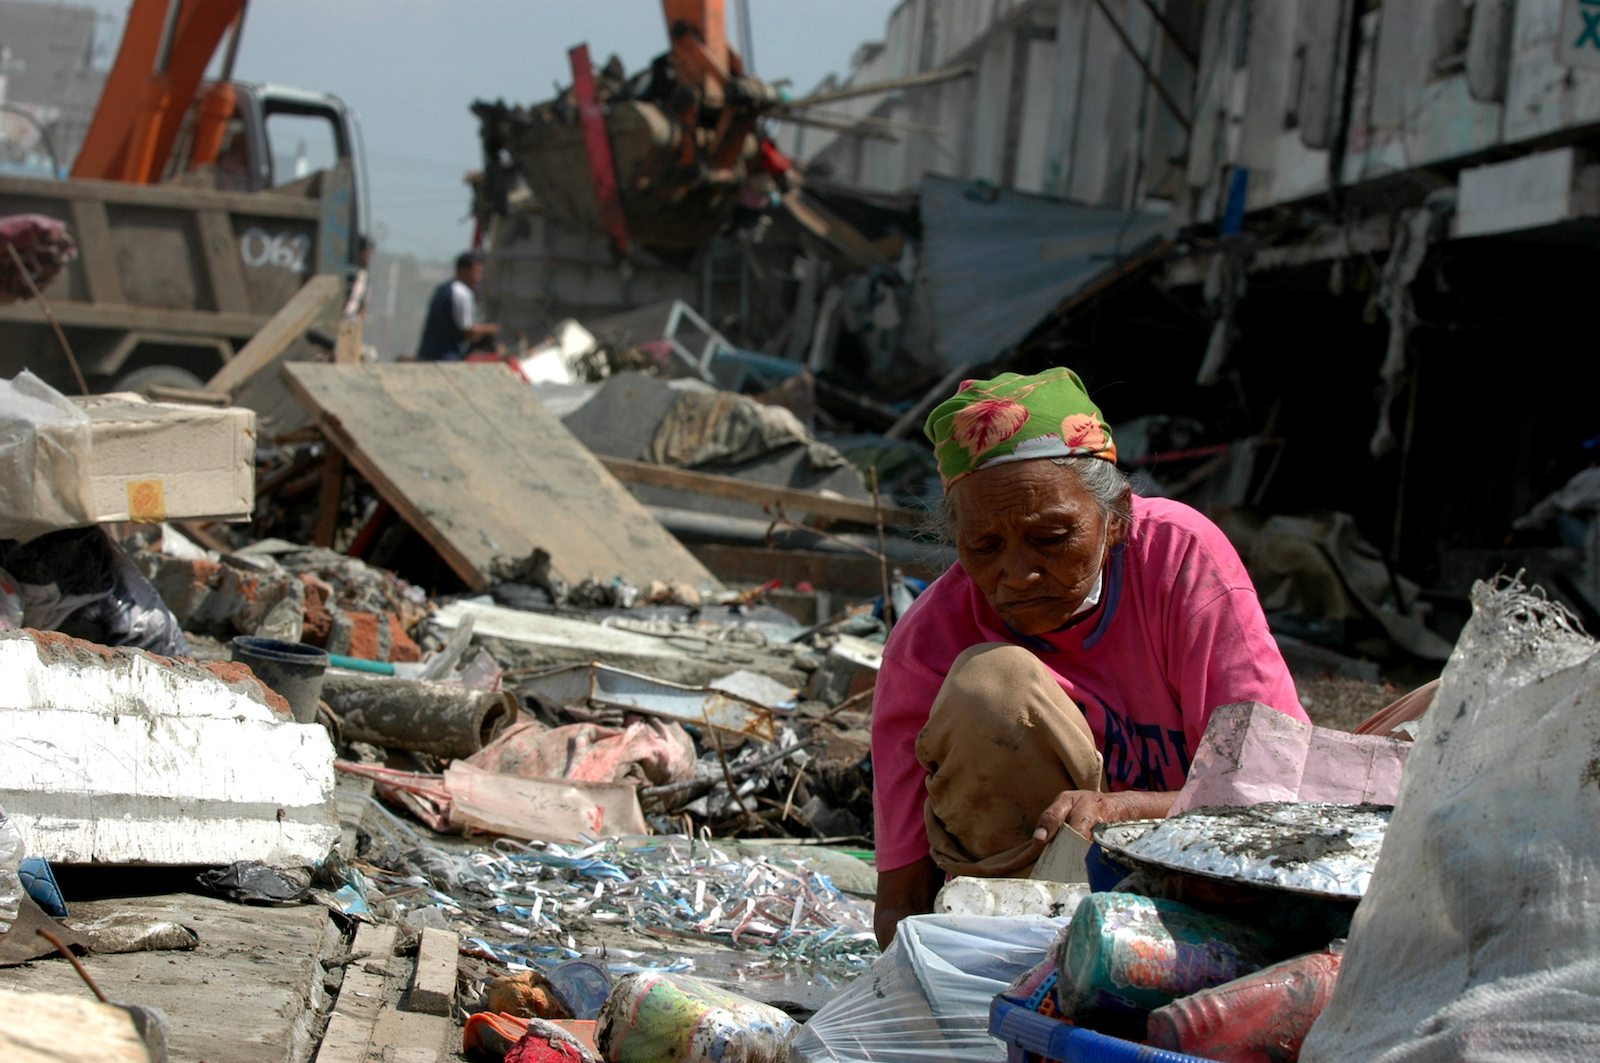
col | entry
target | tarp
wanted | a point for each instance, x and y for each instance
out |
(995, 262)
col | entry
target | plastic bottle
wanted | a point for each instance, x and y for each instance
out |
(1262, 1018)
(654, 1017)
(583, 985)
(1126, 955)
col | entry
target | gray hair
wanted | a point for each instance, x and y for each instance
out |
(1106, 484)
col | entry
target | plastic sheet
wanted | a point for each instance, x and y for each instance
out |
(44, 460)
(927, 998)
(12, 851)
(79, 582)
(1479, 937)
(250, 882)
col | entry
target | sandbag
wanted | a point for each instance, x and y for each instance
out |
(1478, 940)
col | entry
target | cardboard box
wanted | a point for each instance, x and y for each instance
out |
(155, 461)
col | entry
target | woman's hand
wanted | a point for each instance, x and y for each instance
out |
(1082, 809)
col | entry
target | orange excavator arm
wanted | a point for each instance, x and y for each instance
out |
(165, 50)
(698, 30)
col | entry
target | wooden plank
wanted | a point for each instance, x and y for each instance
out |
(434, 988)
(361, 998)
(256, 204)
(793, 501)
(328, 498)
(223, 267)
(473, 461)
(96, 252)
(286, 326)
(72, 313)
(347, 347)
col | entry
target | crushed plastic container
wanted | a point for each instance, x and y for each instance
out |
(1126, 955)
(1030, 1036)
(1261, 1018)
(1009, 896)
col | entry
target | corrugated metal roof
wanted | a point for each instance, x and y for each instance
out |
(996, 262)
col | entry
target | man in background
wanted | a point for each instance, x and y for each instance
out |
(452, 326)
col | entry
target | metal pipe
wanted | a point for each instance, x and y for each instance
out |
(932, 77)
(747, 40)
(1172, 34)
(872, 120)
(850, 128)
(226, 74)
(1150, 74)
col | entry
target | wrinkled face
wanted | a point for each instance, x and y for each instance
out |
(1033, 539)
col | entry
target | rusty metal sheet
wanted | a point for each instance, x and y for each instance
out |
(602, 684)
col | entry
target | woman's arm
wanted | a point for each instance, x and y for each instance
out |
(904, 891)
(1081, 810)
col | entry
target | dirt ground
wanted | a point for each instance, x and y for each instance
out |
(1342, 704)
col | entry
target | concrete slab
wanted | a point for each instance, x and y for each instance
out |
(252, 992)
(119, 757)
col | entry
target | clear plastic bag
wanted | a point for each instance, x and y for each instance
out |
(44, 460)
(927, 999)
(12, 851)
(1479, 937)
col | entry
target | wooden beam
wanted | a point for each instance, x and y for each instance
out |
(347, 348)
(361, 998)
(197, 531)
(791, 500)
(286, 326)
(328, 498)
(912, 419)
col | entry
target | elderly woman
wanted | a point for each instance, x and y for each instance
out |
(1063, 671)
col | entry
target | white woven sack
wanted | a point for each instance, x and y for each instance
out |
(1479, 938)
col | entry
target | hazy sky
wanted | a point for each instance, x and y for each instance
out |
(412, 67)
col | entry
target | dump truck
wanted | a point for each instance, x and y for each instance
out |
(172, 278)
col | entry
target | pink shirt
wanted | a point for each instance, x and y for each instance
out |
(1178, 632)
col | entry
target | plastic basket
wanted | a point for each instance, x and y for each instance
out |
(1026, 1032)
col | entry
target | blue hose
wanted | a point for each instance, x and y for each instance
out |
(1065, 1043)
(357, 664)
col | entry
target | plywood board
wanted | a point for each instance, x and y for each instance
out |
(473, 461)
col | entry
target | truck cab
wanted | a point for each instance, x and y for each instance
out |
(277, 136)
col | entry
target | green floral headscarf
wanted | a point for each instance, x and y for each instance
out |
(1014, 418)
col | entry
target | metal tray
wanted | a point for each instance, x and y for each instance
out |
(1320, 850)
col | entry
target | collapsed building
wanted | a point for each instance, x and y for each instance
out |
(1338, 221)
